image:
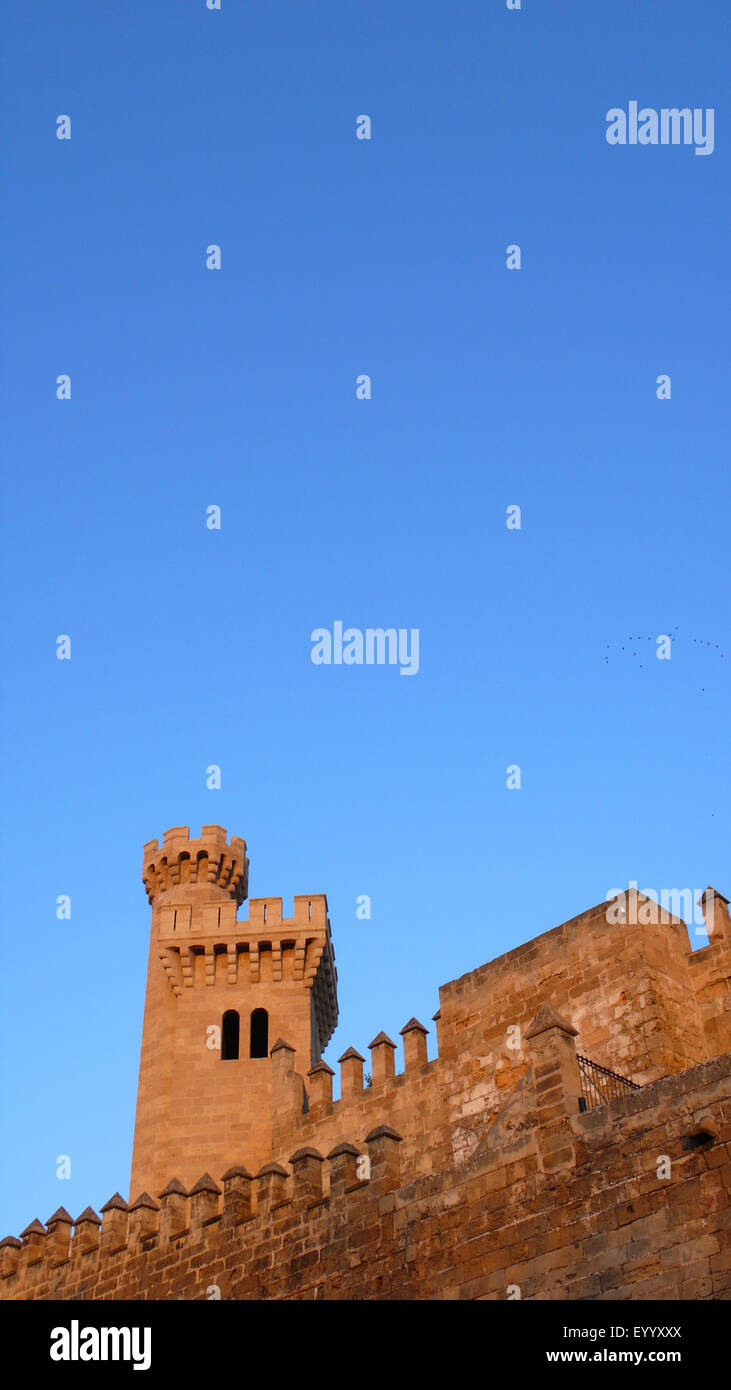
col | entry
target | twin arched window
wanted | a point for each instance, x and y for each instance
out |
(258, 1034)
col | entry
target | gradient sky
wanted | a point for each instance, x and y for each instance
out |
(236, 388)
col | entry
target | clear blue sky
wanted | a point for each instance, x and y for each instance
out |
(236, 388)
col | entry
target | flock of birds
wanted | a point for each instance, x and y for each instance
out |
(637, 651)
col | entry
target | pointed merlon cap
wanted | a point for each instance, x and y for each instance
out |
(115, 1203)
(546, 1018)
(321, 1067)
(238, 1171)
(382, 1038)
(713, 893)
(414, 1026)
(145, 1200)
(60, 1218)
(344, 1149)
(174, 1188)
(10, 1242)
(351, 1052)
(275, 1168)
(206, 1184)
(279, 1045)
(34, 1229)
(382, 1132)
(707, 902)
(88, 1214)
(306, 1153)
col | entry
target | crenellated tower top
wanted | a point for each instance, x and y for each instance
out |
(208, 867)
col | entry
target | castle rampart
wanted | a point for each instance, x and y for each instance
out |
(502, 1163)
(553, 1204)
(642, 1002)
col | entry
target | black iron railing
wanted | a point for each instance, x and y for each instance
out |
(599, 1085)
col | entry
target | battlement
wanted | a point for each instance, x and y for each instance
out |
(310, 913)
(642, 1002)
(432, 1102)
(187, 919)
(463, 1153)
(328, 1179)
(204, 867)
(531, 1208)
(351, 1063)
(148, 1222)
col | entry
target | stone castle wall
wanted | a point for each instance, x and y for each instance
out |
(629, 1200)
(477, 1174)
(642, 1002)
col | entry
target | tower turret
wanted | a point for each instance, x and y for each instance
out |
(219, 993)
(202, 870)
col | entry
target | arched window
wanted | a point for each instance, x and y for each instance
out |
(230, 1036)
(259, 1035)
